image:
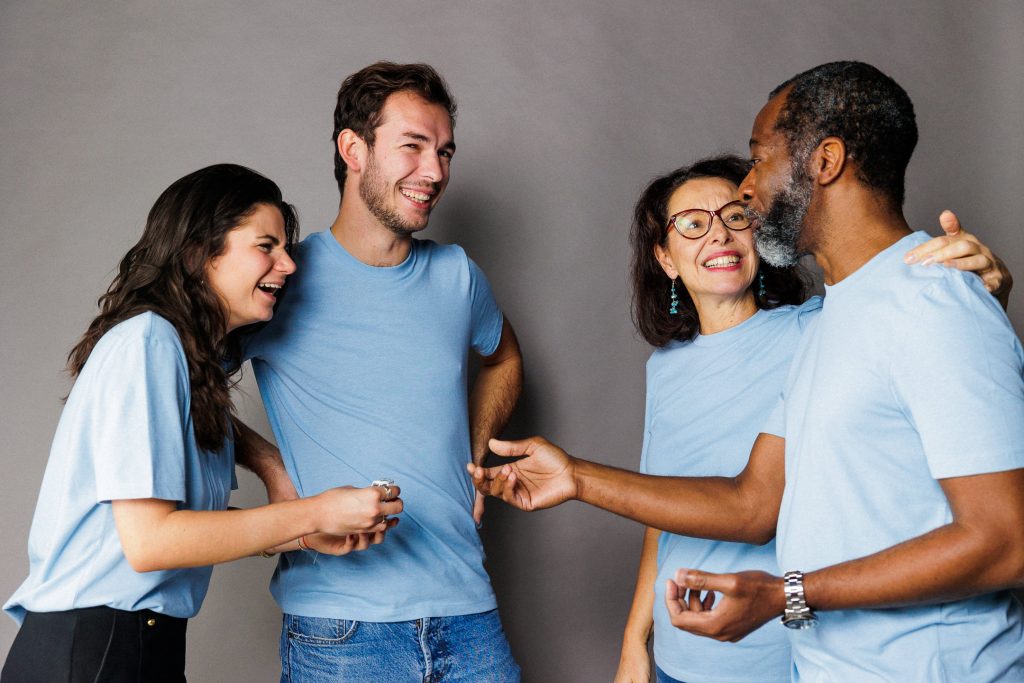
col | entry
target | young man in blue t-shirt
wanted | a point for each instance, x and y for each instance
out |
(363, 376)
(897, 452)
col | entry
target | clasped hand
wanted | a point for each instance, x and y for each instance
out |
(353, 519)
(725, 607)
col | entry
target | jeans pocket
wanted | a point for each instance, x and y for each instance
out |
(319, 630)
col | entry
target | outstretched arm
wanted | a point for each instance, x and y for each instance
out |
(981, 550)
(742, 508)
(964, 251)
(156, 535)
(495, 393)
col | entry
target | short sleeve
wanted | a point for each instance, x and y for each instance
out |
(959, 380)
(487, 319)
(137, 407)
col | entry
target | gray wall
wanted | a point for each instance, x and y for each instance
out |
(566, 110)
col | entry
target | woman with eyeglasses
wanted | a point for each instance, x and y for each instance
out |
(132, 510)
(725, 326)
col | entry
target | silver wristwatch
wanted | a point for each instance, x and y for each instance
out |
(797, 613)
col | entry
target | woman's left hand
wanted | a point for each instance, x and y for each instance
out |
(964, 251)
(330, 544)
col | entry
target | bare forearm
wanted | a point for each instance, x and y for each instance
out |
(495, 393)
(640, 621)
(720, 508)
(187, 538)
(263, 458)
(494, 397)
(948, 563)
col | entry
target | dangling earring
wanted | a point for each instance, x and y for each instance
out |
(673, 309)
(760, 285)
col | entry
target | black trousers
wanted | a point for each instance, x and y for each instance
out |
(97, 644)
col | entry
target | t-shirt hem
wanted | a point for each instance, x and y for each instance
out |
(691, 677)
(108, 495)
(1007, 463)
(409, 613)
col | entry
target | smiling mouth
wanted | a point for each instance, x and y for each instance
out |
(721, 262)
(415, 196)
(271, 288)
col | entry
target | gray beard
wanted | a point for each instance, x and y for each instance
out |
(778, 232)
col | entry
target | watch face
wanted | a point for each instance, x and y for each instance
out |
(799, 623)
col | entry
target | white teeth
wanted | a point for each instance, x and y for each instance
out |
(416, 196)
(721, 261)
(269, 286)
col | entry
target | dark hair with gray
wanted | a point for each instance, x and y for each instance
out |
(650, 284)
(866, 109)
(362, 95)
(165, 272)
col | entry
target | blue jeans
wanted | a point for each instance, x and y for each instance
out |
(663, 677)
(462, 649)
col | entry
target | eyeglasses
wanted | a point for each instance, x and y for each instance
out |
(695, 223)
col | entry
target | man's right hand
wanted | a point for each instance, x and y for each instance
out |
(543, 479)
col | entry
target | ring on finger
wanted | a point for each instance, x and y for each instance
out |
(386, 485)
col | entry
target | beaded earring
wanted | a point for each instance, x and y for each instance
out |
(760, 285)
(673, 309)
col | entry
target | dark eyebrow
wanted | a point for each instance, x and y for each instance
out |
(419, 137)
(270, 237)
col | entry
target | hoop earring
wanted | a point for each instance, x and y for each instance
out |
(760, 285)
(673, 308)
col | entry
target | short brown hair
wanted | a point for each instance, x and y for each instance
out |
(362, 95)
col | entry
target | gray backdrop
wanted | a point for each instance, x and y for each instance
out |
(566, 109)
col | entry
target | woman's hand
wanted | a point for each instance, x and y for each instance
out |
(345, 511)
(329, 544)
(964, 251)
(634, 663)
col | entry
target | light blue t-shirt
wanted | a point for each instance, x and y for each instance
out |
(706, 403)
(363, 373)
(125, 433)
(909, 375)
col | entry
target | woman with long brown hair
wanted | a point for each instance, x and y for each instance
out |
(132, 510)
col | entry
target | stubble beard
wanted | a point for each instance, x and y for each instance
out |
(778, 233)
(374, 191)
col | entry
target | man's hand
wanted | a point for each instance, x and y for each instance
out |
(542, 480)
(478, 508)
(964, 251)
(748, 600)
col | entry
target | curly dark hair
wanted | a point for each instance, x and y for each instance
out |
(650, 284)
(362, 96)
(165, 273)
(859, 104)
